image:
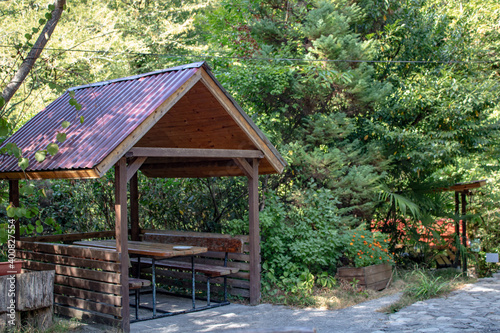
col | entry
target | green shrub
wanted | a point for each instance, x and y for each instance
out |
(299, 239)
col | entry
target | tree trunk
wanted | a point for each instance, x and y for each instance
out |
(35, 52)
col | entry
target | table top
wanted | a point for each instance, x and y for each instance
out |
(147, 248)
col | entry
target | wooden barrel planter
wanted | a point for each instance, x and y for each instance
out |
(34, 298)
(375, 277)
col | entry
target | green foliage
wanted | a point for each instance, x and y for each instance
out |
(328, 152)
(426, 287)
(297, 238)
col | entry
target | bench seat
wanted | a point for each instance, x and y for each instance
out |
(209, 270)
(134, 283)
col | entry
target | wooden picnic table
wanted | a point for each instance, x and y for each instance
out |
(150, 249)
(156, 251)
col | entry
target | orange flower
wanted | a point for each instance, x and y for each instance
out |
(350, 243)
(365, 242)
(362, 236)
(371, 256)
(380, 258)
(360, 258)
(370, 245)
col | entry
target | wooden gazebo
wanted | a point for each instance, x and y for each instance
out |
(175, 123)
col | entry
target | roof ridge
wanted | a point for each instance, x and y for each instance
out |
(138, 76)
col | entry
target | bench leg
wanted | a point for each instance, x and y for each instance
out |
(153, 267)
(137, 302)
(208, 290)
(193, 294)
(225, 278)
(225, 289)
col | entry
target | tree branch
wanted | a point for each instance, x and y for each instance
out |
(35, 52)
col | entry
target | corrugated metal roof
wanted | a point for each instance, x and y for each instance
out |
(111, 109)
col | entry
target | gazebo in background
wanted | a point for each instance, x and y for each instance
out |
(174, 123)
(461, 191)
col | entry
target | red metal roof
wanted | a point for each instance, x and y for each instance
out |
(111, 109)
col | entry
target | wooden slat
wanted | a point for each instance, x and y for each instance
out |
(231, 256)
(210, 270)
(70, 250)
(88, 305)
(87, 294)
(192, 152)
(68, 261)
(70, 237)
(84, 315)
(74, 271)
(220, 244)
(88, 284)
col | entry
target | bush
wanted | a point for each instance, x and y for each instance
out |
(300, 241)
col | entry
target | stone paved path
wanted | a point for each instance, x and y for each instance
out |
(475, 308)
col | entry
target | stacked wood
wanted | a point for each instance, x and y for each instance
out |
(87, 280)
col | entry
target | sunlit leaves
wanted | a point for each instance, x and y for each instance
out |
(40, 155)
(61, 137)
(65, 124)
(23, 163)
(52, 149)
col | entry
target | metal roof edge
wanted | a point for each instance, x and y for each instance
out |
(138, 76)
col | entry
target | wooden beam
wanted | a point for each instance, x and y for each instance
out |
(134, 208)
(244, 166)
(62, 174)
(253, 216)
(121, 229)
(464, 230)
(14, 202)
(134, 166)
(194, 152)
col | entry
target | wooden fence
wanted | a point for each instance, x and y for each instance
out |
(87, 281)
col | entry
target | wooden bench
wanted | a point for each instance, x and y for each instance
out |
(213, 242)
(137, 285)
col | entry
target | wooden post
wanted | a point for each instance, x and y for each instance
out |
(134, 208)
(121, 231)
(457, 226)
(14, 201)
(253, 214)
(464, 230)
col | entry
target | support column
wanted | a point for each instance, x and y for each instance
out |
(121, 232)
(253, 214)
(464, 230)
(14, 202)
(134, 208)
(457, 226)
